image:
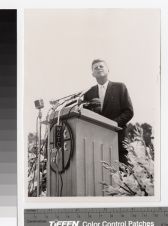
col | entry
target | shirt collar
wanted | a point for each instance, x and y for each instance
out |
(104, 85)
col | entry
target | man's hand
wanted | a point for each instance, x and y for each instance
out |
(95, 105)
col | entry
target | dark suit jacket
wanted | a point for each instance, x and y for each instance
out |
(117, 103)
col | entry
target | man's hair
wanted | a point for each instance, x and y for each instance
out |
(95, 61)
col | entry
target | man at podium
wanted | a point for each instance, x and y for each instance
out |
(114, 100)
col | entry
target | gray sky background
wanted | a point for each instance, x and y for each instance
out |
(61, 44)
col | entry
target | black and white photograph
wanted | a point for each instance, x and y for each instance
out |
(92, 103)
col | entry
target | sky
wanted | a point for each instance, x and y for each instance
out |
(59, 46)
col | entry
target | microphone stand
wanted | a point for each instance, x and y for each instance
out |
(39, 150)
(48, 161)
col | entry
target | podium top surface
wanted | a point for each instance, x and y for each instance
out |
(86, 115)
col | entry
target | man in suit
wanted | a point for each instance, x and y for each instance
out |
(114, 100)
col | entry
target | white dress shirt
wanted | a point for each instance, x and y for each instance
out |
(102, 91)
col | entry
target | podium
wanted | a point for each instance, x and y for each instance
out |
(95, 139)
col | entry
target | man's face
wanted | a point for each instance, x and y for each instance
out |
(100, 70)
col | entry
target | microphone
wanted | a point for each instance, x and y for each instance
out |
(39, 104)
(67, 97)
(67, 101)
(70, 103)
(75, 98)
(80, 101)
(94, 105)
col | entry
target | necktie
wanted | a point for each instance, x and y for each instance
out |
(101, 95)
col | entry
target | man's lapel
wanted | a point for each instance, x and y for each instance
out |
(95, 92)
(108, 93)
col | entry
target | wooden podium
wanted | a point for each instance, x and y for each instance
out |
(95, 139)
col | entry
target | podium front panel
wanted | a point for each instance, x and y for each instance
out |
(93, 144)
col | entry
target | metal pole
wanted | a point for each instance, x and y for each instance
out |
(38, 160)
(48, 161)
